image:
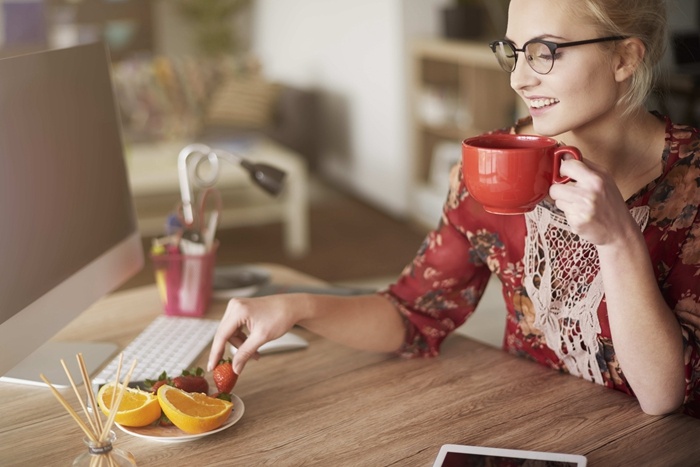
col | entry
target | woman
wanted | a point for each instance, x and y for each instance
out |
(602, 280)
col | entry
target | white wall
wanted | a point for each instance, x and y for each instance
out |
(354, 52)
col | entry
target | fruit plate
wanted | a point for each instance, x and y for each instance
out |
(172, 434)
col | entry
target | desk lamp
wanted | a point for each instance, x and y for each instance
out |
(268, 178)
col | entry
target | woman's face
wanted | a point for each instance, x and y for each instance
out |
(581, 88)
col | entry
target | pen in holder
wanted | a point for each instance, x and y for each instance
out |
(184, 277)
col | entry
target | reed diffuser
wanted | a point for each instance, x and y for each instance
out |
(99, 436)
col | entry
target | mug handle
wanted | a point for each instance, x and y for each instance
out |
(559, 156)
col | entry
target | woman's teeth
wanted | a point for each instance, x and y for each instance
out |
(539, 103)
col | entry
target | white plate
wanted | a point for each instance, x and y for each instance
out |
(172, 434)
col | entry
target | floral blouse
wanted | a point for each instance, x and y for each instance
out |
(556, 310)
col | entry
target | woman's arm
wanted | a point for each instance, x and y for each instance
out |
(646, 334)
(368, 322)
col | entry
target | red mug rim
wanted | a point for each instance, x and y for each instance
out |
(510, 141)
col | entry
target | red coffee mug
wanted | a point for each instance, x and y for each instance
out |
(510, 174)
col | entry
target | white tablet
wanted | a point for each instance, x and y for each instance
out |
(455, 455)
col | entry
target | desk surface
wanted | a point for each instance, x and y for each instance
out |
(331, 405)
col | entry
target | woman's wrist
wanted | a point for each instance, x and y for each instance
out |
(303, 309)
(625, 247)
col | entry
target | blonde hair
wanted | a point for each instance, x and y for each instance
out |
(642, 19)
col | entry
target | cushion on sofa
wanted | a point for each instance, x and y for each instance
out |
(166, 97)
(246, 102)
(161, 98)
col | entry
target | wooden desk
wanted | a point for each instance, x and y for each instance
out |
(330, 405)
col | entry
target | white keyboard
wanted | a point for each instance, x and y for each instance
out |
(169, 344)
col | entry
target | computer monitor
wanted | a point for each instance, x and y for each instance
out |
(68, 233)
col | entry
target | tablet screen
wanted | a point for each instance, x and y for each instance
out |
(452, 455)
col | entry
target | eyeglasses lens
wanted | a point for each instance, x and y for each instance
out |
(539, 57)
(505, 56)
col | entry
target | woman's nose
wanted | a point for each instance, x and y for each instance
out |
(523, 76)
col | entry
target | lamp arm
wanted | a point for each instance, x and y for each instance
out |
(267, 177)
(232, 157)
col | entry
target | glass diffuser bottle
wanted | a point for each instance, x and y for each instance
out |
(103, 454)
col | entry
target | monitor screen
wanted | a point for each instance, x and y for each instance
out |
(68, 232)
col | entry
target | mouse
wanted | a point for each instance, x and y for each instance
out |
(284, 343)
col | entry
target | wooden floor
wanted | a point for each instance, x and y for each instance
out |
(350, 241)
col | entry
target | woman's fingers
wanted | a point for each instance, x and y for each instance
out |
(230, 327)
(247, 350)
(248, 324)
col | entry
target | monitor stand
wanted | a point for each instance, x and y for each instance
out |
(46, 360)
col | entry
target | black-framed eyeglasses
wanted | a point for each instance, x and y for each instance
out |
(540, 54)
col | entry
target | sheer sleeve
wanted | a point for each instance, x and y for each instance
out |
(441, 287)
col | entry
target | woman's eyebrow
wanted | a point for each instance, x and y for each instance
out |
(552, 37)
(540, 37)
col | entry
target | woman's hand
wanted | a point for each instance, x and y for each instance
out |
(263, 318)
(593, 204)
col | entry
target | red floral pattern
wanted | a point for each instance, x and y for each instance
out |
(442, 286)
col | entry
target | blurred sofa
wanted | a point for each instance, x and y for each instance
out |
(206, 99)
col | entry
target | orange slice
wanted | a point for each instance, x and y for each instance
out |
(193, 413)
(137, 408)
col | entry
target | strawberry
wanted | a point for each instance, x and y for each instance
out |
(163, 421)
(224, 377)
(153, 385)
(192, 381)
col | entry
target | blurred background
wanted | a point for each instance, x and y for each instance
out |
(368, 99)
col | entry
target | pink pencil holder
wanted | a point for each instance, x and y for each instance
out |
(185, 281)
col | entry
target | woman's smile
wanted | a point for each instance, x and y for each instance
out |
(538, 103)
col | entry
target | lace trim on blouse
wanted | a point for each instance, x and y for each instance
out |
(562, 278)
